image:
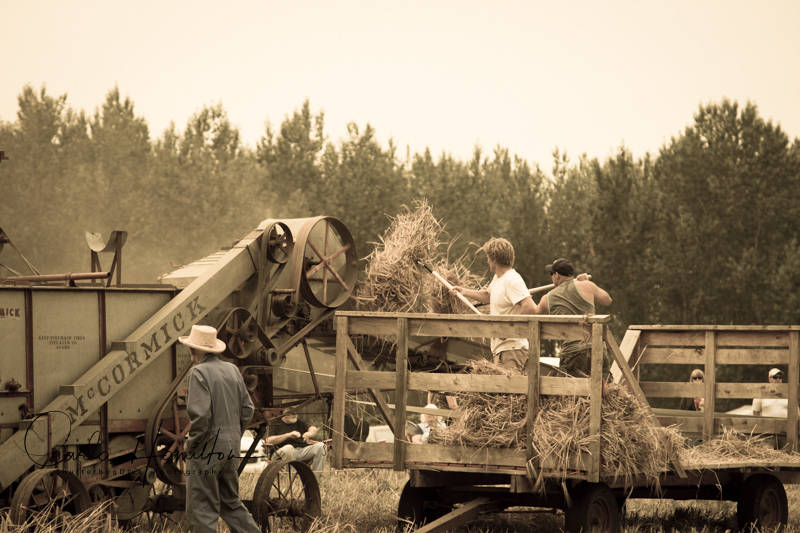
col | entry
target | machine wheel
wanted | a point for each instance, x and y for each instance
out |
(594, 508)
(286, 497)
(279, 243)
(762, 504)
(418, 506)
(58, 493)
(325, 261)
(165, 436)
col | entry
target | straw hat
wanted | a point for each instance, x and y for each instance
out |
(203, 338)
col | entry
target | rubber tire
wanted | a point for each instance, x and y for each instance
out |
(756, 492)
(593, 506)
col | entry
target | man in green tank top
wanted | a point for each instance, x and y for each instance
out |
(573, 296)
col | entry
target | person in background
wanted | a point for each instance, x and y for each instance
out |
(694, 404)
(774, 407)
(428, 422)
(296, 440)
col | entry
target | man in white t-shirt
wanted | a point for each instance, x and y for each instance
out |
(507, 295)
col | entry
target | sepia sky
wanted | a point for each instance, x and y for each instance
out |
(583, 76)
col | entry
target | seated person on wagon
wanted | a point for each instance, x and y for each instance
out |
(295, 440)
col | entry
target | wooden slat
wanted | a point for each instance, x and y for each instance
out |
(535, 349)
(340, 376)
(794, 382)
(672, 338)
(436, 453)
(711, 327)
(673, 355)
(596, 404)
(752, 356)
(376, 395)
(753, 338)
(523, 319)
(672, 389)
(401, 393)
(549, 385)
(725, 356)
(460, 458)
(464, 329)
(709, 399)
(626, 348)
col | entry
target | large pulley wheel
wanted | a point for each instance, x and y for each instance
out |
(762, 504)
(324, 262)
(594, 508)
(286, 497)
(58, 493)
(165, 436)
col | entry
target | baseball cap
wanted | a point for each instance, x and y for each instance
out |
(775, 372)
(562, 266)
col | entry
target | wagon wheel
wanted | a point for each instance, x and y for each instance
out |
(57, 493)
(418, 506)
(594, 508)
(165, 436)
(762, 504)
(286, 497)
(326, 261)
(240, 334)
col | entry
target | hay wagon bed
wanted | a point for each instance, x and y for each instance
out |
(451, 485)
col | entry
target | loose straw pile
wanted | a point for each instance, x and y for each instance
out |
(485, 419)
(394, 282)
(733, 446)
(632, 442)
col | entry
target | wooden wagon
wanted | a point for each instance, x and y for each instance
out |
(449, 485)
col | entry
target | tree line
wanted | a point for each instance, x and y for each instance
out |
(704, 232)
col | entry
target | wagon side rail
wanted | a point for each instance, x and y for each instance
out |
(710, 347)
(350, 375)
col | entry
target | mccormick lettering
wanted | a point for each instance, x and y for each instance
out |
(9, 312)
(115, 377)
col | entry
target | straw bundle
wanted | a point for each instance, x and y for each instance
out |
(485, 419)
(632, 441)
(392, 281)
(440, 300)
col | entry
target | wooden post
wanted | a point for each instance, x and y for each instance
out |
(709, 400)
(534, 351)
(794, 382)
(596, 400)
(629, 351)
(401, 394)
(340, 378)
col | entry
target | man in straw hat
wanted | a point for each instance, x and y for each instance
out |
(507, 295)
(219, 409)
(573, 296)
